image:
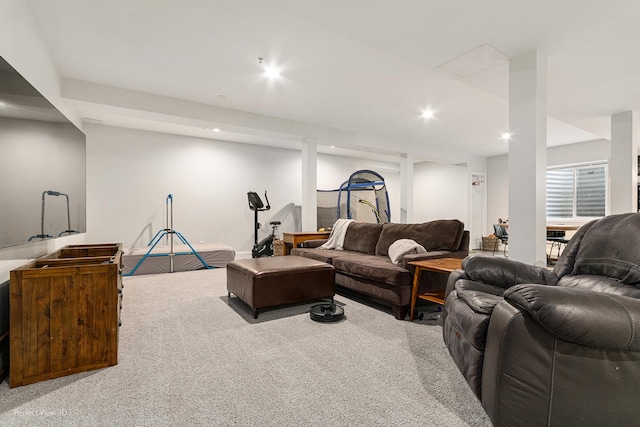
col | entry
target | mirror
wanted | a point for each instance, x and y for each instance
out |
(43, 179)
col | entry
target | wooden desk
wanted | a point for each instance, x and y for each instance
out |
(562, 227)
(294, 238)
(554, 227)
(437, 265)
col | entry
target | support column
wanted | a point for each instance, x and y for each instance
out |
(406, 188)
(528, 158)
(309, 184)
(623, 164)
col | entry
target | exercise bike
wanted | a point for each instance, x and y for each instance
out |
(265, 246)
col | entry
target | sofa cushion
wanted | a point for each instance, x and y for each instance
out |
(324, 255)
(434, 235)
(362, 237)
(618, 257)
(374, 268)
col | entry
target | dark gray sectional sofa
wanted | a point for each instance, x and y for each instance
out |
(364, 265)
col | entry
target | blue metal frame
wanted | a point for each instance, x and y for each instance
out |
(347, 185)
(162, 233)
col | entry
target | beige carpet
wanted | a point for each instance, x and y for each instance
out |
(191, 356)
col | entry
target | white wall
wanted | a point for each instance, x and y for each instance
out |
(131, 172)
(584, 152)
(498, 175)
(497, 190)
(440, 192)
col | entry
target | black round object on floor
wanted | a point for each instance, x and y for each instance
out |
(326, 312)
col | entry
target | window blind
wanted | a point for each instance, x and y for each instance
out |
(576, 192)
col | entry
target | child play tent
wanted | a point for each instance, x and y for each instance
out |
(363, 197)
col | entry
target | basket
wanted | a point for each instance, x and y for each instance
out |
(490, 243)
(278, 247)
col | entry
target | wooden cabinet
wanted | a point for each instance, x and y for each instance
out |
(4, 330)
(65, 313)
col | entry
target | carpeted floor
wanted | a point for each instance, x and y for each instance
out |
(191, 356)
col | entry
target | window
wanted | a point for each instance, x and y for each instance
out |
(576, 191)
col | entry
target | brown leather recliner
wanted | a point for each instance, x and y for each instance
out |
(557, 347)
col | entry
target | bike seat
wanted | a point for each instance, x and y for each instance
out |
(275, 223)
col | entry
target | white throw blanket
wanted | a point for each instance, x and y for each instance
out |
(402, 247)
(336, 238)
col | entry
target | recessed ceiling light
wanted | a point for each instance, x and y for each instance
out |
(506, 135)
(216, 130)
(270, 70)
(3, 104)
(427, 114)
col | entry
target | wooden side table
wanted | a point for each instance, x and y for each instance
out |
(437, 265)
(294, 238)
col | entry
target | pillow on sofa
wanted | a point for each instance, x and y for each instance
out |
(362, 237)
(610, 248)
(440, 235)
(402, 247)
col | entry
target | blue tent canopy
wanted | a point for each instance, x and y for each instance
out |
(362, 197)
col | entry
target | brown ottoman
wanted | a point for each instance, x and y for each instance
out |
(273, 281)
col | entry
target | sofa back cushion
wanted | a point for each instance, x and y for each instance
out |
(362, 237)
(440, 235)
(611, 248)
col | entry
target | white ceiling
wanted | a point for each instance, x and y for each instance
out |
(367, 67)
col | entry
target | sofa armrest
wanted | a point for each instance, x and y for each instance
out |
(312, 243)
(406, 259)
(530, 377)
(464, 242)
(451, 284)
(591, 319)
(505, 273)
